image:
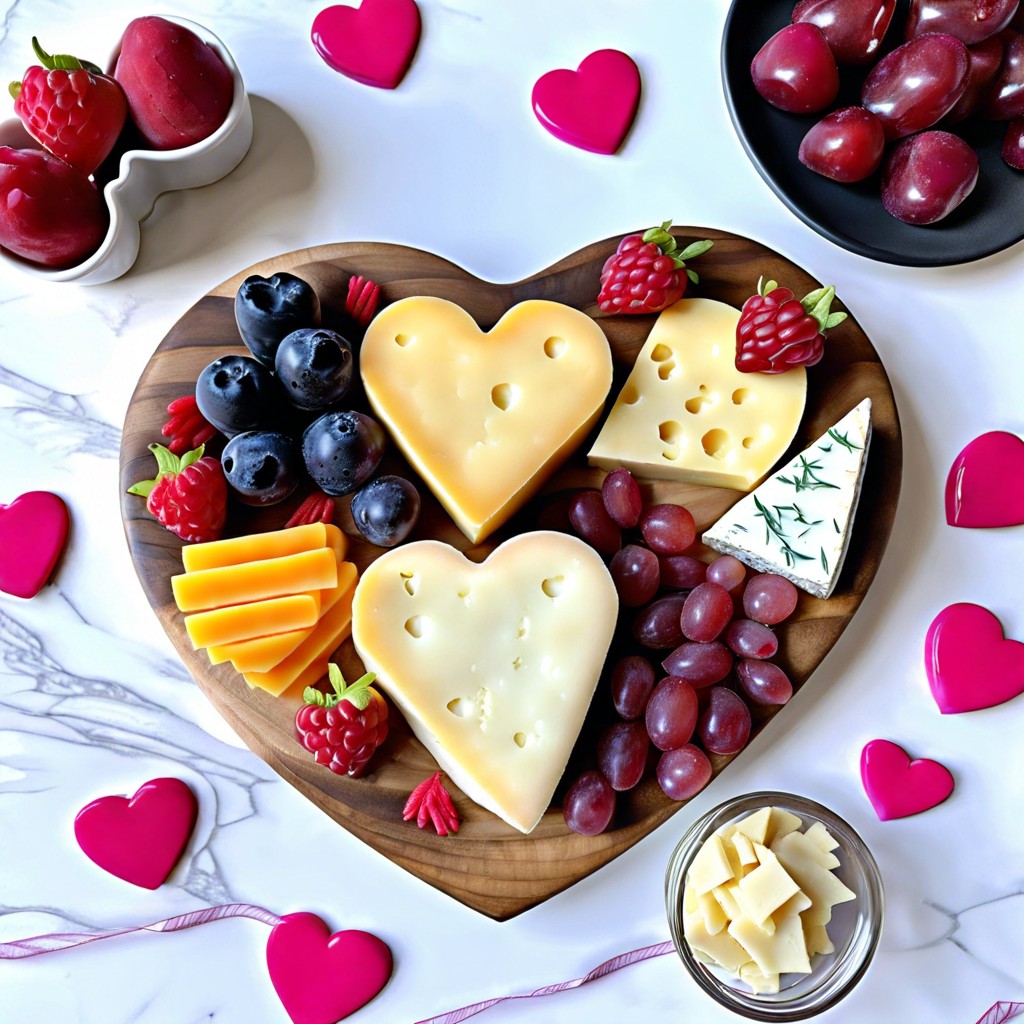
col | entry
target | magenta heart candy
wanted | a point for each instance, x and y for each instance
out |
(321, 978)
(33, 532)
(373, 43)
(141, 839)
(592, 107)
(969, 663)
(985, 486)
(898, 786)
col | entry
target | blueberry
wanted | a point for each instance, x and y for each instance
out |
(342, 449)
(314, 366)
(261, 466)
(385, 510)
(236, 393)
(268, 309)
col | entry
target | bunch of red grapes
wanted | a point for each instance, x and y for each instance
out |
(962, 59)
(712, 630)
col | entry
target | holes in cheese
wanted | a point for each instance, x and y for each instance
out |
(485, 417)
(255, 581)
(553, 586)
(757, 897)
(686, 372)
(418, 626)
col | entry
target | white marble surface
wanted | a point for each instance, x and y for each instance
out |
(93, 699)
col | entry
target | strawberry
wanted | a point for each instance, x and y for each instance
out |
(189, 495)
(344, 728)
(71, 108)
(777, 331)
(646, 273)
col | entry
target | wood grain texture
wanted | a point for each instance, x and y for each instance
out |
(489, 866)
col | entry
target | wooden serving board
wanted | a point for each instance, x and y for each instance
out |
(490, 866)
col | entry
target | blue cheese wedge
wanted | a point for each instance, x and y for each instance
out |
(798, 522)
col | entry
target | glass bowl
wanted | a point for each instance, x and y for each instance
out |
(855, 927)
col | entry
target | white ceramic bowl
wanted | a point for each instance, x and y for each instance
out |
(144, 174)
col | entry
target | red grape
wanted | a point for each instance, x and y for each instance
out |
(671, 713)
(749, 639)
(658, 626)
(724, 727)
(683, 772)
(764, 682)
(985, 60)
(846, 145)
(1013, 152)
(621, 495)
(699, 664)
(622, 754)
(915, 85)
(635, 572)
(727, 572)
(928, 176)
(632, 682)
(853, 29)
(668, 529)
(1005, 99)
(795, 70)
(969, 20)
(706, 612)
(592, 522)
(769, 598)
(589, 804)
(682, 572)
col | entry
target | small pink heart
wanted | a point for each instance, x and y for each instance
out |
(897, 786)
(321, 978)
(373, 43)
(985, 486)
(141, 839)
(969, 663)
(593, 106)
(33, 532)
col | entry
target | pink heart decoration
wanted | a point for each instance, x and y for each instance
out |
(141, 839)
(985, 486)
(897, 786)
(592, 107)
(969, 663)
(373, 43)
(33, 533)
(321, 978)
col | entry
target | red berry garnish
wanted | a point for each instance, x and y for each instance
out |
(647, 272)
(777, 331)
(430, 803)
(362, 299)
(70, 107)
(188, 496)
(343, 729)
(317, 508)
(187, 428)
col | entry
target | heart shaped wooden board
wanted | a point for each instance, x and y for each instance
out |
(490, 866)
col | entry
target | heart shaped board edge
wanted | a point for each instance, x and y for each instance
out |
(489, 866)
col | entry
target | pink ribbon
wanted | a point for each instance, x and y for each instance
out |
(56, 941)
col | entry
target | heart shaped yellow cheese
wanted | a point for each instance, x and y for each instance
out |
(485, 418)
(492, 664)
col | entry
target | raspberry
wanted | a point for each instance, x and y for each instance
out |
(188, 496)
(777, 331)
(343, 729)
(646, 273)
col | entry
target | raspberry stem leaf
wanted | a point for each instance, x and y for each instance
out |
(166, 462)
(817, 304)
(62, 61)
(357, 693)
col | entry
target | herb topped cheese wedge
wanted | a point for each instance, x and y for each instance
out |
(798, 522)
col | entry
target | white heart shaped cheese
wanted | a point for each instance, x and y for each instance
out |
(492, 664)
(485, 418)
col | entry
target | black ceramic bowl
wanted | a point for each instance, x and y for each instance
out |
(989, 220)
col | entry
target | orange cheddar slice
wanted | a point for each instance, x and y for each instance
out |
(258, 618)
(255, 581)
(261, 653)
(308, 662)
(255, 547)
